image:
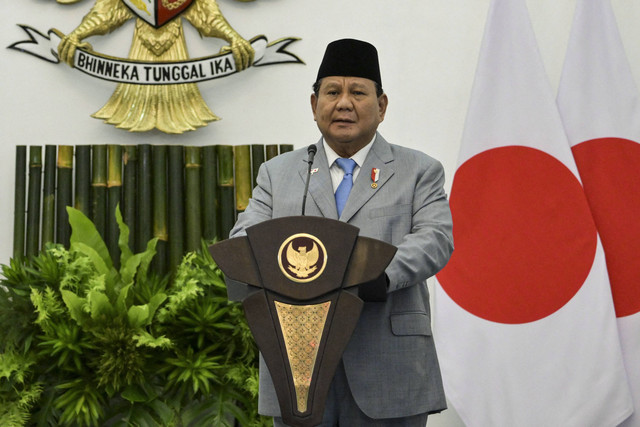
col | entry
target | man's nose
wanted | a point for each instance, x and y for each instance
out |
(344, 101)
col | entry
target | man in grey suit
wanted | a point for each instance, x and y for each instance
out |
(389, 375)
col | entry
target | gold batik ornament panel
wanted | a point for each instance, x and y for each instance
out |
(302, 327)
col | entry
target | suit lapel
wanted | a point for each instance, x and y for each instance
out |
(381, 157)
(320, 187)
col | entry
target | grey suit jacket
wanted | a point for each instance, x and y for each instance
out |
(390, 361)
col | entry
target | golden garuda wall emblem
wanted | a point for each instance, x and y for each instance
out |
(157, 82)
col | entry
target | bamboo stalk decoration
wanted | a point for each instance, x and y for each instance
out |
(99, 189)
(257, 158)
(64, 194)
(114, 194)
(33, 209)
(144, 217)
(210, 206)
(129, 204)
(285, 148)
(19, 204)
(193, 211)
(82, 199)
(176, 205)
(159, 159)
(178, 194)
(49, 196)
(227, 192)
(242, 163)
(272, 151)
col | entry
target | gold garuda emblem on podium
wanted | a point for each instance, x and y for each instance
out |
(302, 257)
(157, 82)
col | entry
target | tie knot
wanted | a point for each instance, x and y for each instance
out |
(347, 165)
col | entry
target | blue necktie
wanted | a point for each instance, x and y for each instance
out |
(342, 193)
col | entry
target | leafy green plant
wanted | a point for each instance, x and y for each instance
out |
(86, 343)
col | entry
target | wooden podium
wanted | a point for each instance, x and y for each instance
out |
(302, 281)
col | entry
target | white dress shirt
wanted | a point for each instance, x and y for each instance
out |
(336, 172)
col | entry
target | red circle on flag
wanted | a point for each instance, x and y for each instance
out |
(524, 237)
(610, 172)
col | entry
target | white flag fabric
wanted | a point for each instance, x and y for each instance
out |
(600, 108)
(523, 314)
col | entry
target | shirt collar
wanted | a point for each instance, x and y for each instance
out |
(359, 157)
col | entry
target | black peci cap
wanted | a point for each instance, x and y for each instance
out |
(350, 58)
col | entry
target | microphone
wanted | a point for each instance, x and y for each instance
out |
(312, 150)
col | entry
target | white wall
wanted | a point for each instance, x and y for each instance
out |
(428, 51)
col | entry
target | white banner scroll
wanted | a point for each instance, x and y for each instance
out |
(121, 70)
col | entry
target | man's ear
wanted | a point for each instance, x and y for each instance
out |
(314, 104)
(383, 101)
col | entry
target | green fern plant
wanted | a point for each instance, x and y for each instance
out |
(86, 343)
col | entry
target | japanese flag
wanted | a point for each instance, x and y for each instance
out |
(600, 108)
(524, 319)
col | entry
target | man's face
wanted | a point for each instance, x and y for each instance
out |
(348, 112)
